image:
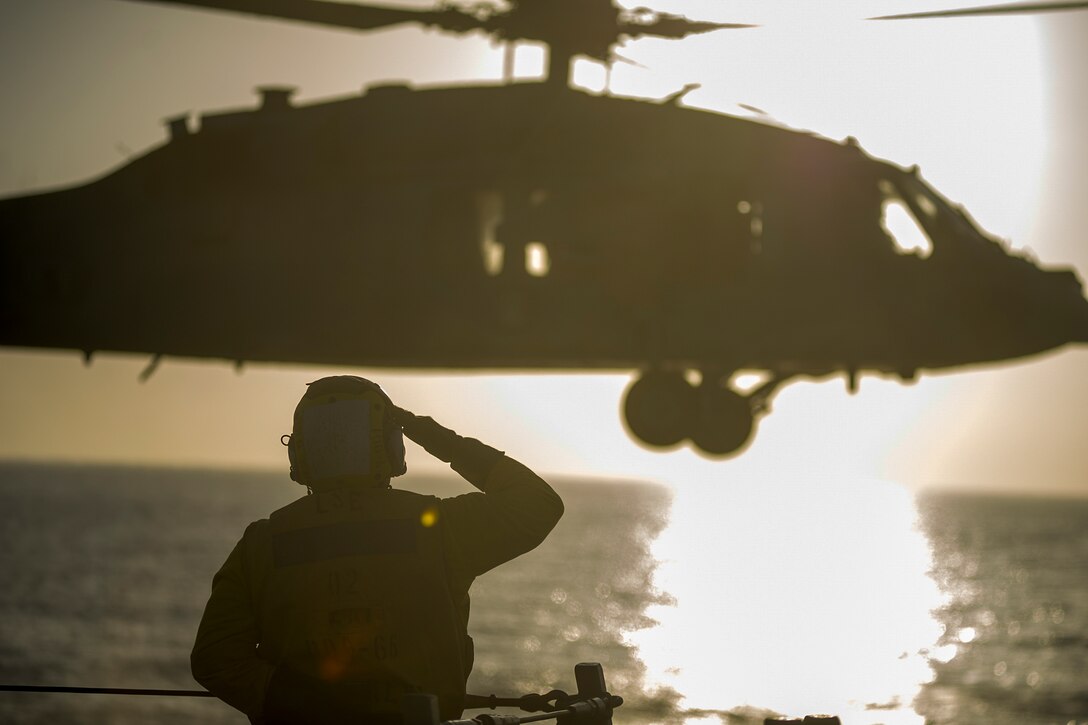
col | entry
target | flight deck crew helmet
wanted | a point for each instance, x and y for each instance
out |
(344, 431)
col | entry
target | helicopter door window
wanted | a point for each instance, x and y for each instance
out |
(537, 262)
(489, 216)
(493, 258)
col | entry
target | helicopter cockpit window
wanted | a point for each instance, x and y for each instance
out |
(898, 220)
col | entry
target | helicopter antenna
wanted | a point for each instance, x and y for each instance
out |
(754, 109)
(675, 98)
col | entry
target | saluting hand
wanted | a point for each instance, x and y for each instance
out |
(439, 441)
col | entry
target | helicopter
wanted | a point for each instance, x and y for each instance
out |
(531, 226)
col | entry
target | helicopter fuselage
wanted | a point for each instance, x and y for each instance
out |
(523, 226)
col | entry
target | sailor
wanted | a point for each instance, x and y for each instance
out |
(337, 605)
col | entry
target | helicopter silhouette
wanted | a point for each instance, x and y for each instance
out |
(525, 226)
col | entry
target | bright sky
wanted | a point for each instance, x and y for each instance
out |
(991, 108)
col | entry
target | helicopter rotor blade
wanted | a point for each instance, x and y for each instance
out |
(340, 15)
(643, 21)
(1006, 9)
(509, 25)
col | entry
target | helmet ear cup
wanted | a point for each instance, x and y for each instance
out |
(293, 457)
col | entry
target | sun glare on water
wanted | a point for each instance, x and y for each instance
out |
(798, 597)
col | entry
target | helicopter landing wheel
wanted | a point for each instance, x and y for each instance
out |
(724, 420)
(660, 408)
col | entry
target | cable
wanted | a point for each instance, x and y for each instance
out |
(107, 691)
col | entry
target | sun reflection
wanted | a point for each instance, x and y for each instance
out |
(797, 598)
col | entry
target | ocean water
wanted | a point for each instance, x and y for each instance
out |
(1015, 623)
(977, 612)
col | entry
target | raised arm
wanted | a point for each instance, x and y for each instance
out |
(514, 511)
